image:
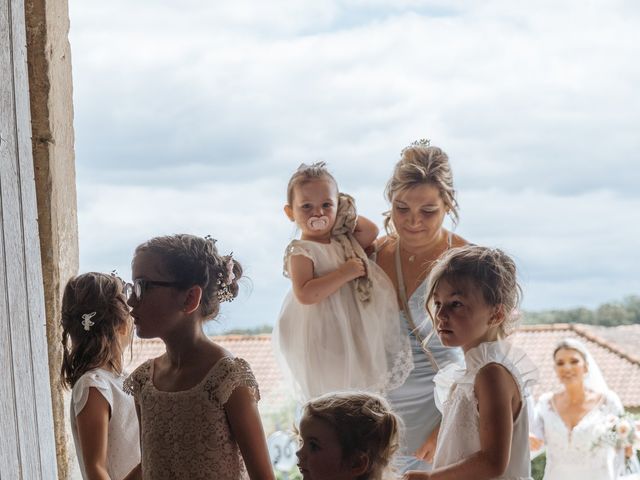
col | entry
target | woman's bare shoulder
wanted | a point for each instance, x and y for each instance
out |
(384, 246)
(458, 241)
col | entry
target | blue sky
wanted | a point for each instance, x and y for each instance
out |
(190, 117)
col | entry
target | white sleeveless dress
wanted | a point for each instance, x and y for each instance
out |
(341, 343)
(459, 435)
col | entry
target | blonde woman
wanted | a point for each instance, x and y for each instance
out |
(421, 195)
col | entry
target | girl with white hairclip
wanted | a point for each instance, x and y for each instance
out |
(572, 421)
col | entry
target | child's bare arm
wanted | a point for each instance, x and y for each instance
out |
(309, 290)
(366, 232)
(496, 390)
(93, 434)
(428, 448)
(246, 426)
(136, 473)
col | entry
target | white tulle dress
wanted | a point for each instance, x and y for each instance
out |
(459, 435)
(576, 454)
(341, 343)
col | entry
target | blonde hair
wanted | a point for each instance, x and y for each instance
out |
(490, 269)
(193, 260)
(421, 165)
(97, 345)
(364, 423)
(308, 173)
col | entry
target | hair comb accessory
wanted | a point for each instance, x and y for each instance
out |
(86, 320)
(422, 143)
(224, 292)
(209, 238)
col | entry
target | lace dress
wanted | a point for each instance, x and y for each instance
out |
(341, 343)
(575, 454)
(186, 434)
(459, 435)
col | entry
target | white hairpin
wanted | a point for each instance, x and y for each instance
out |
(86, 320)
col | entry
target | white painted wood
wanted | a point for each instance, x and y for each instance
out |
(26, 422)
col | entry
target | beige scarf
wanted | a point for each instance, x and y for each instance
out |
(346, 219)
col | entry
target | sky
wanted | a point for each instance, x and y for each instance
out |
(191, 116)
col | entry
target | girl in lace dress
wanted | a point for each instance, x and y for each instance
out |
(348, 436)
(96, 327)
(472, 298)
(197, 403)
(337, 328)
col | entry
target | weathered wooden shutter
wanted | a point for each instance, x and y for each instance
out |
(27, 447)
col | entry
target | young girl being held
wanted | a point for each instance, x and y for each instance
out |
(337, 328)
(197, 403)
(96, 327)
(472, 298)
(347, 436)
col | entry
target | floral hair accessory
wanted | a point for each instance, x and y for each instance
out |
(224, 281)
(86, 320)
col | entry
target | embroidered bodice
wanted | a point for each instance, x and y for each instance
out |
(186, 434)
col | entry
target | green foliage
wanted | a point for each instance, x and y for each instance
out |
(537, 466)
(625, 312)
(249, 331)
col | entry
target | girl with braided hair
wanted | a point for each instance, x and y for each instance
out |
(196, 403)
(96, 328)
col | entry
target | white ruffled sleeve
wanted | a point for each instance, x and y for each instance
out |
(444, 380)
(296, 247)
(80, 392)
(523, 370)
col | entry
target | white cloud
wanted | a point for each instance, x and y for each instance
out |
(192, 117)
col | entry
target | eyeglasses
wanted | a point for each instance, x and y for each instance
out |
(140, 285)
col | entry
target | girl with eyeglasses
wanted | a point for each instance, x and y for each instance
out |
(96, 327)
(196, 403)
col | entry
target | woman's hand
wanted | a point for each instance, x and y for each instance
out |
(428, 448)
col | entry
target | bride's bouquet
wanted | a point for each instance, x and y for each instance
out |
(619, 431)
(623, 433)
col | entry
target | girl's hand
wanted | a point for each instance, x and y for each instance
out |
(415, 475)
(428, 448)
(353, 268)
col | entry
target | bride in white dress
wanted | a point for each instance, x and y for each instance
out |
(571, 421)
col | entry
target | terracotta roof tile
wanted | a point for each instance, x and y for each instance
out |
(621, 370)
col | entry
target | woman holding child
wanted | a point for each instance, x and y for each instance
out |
(421, 194)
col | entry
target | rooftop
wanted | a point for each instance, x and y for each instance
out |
(619, 365)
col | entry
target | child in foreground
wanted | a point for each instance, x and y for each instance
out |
(96, 328)
(348, 436)
(472, 297)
